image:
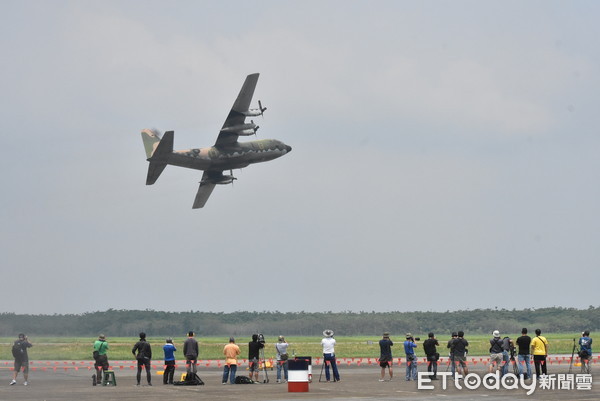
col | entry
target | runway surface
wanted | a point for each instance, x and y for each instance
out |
(357, 383)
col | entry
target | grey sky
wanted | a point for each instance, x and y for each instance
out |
(445, 155)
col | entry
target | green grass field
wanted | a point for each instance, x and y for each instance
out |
(68, 348)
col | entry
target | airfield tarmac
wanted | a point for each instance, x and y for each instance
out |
(357, 383)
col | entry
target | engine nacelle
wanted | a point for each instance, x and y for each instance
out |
(247, 132)
(225, 179)
(242, 129)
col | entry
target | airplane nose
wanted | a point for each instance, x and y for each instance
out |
(288, 148)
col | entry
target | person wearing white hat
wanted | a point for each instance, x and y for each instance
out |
(495, 352)
(328, 343)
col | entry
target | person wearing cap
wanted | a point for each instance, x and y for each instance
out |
(585, 353)
(495, 352)
(524, 344)
(328, 343)
(190, 351)
(231, 351)
(282, 358)
(385, 356)
(429, 347)
(19, 351)
(169, 350)
(451, 353)
(459, 353)
(143, 357)
(411, 357)
(101, 360)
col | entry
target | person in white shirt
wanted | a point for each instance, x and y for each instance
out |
(328, 344)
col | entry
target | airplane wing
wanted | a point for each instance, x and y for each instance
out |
(204, 191)
(236, 115)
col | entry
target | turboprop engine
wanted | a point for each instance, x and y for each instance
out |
(225, 179)
(242, 129)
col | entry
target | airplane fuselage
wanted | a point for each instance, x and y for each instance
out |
(233, 157)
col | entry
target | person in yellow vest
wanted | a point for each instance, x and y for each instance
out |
(539, 349)
(231, 351)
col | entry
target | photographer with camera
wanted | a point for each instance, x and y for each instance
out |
(411, 358)
(254, 347)
(282, 358)
(19, 351)
(451, 352)
(459, 354)
(429, 346)
(328, 343)
(385, 356)
(585, 351)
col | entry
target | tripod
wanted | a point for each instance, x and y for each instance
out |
(323, 367)
(263, 362)
(572, 355)
(514, 363)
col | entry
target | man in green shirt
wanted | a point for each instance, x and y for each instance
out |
(100, 349)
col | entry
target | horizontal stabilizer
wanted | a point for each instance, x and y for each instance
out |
(154, 171)
(202, 195)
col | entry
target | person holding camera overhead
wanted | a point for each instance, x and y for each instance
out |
(282, 358)
(429, 346)
(254, 347)
(411, 358)
(328, 344)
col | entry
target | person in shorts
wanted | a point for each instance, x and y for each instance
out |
(101, 361)
(495, 363)
(585, 353)
(459, 354)
(254, 348)
(385, 356)
(21, 358)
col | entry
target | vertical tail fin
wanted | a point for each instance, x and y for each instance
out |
(151, 138)
(158, 151)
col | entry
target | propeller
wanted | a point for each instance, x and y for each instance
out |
(262, 109)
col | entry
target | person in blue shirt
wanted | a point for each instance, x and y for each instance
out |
(585, 353)
(169, 350)
(411, 358)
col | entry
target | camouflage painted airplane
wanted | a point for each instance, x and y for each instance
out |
(226, 154)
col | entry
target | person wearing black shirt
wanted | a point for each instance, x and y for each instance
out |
(144, 355)
(385, 355)
(429, 346)
(459, 354)
(524, 357)
(254, 347)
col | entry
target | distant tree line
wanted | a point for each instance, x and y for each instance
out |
(124, 323)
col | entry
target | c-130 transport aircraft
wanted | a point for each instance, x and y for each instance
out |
(226, 154)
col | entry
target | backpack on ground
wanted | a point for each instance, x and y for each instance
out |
(191, 379)
(243, 380)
